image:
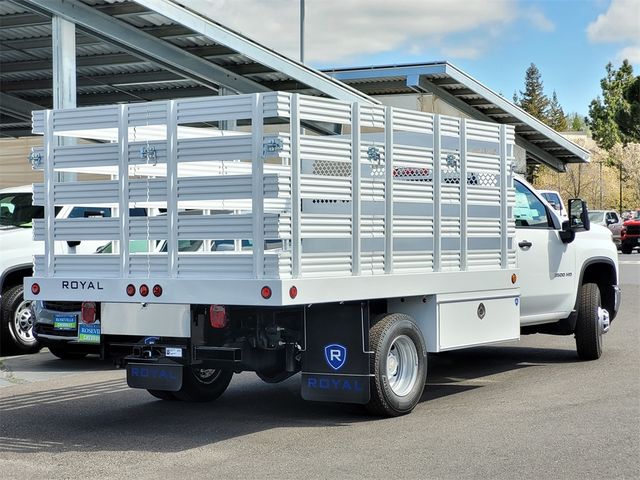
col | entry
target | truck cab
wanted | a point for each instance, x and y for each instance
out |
(556, 260)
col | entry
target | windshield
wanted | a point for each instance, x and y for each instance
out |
(595, 216)
(16, 210)
(553, 198)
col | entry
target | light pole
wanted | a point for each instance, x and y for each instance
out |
(301, 31)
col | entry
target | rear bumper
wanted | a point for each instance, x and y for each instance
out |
(43, 330)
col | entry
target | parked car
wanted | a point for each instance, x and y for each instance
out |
(609, 219)
(630, 234)
(555, 200)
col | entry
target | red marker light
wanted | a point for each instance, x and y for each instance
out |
(218, 316)
(157, 290)
(144, 290)
(131, 290)
(88, 312)
(293, 292)
(35, 289)
(265, 292)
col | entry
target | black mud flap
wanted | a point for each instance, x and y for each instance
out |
(155, 376)
(335, 363)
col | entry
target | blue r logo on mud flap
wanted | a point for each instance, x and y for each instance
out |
(336, 355)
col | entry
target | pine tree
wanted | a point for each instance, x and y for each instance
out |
(577, 123)
(628, 117)
(533, 100)
(602, 112)
(556, 118)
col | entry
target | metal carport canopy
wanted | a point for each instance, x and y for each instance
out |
(137, 51)
(542, 143)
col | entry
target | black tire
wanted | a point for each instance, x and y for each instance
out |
(588, 329)
(63, 354)
(393, 396)
(626, 249)
(203, 385)
(16, 323)
(163, 395)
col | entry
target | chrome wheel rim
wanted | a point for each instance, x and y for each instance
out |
(206, 375)
(402, 365)
(23, 323)
(603, 320)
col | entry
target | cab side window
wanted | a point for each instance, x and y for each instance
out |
(529, 212)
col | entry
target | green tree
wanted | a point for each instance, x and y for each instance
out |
(609, 119)
(628, 117)
(556, 118)
(603, 111)
(577, 122)
(533, 100)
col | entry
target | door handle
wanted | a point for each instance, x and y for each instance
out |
(525, 244)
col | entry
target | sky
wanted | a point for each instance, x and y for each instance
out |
(494, 41)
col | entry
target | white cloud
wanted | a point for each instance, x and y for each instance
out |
(539, 20)
(619, 24)
(341, 30)
(629, 53)
(468, 52)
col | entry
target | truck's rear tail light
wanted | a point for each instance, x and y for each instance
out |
(88, 312)
(35, 289)
(157, 290)
(218, 316)
(144, 290)
(293, 292)
(265, 292)
(131, 290)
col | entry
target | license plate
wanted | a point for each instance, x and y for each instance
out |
(154, 376)
(65, 322)
(89, 333)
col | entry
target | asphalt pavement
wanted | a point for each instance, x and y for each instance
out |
(526, 409)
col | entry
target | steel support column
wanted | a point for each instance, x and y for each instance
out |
(63, 42)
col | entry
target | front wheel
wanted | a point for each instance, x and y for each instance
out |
(203, 384)
(16, 319)
(592, 322)
(398, 364)
(627, 249)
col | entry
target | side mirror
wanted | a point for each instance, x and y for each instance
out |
(578, 220)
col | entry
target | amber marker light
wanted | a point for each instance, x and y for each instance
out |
(514, 278)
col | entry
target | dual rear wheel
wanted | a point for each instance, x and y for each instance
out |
(398, 364)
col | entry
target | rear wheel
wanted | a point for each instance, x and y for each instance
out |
(398, 364)
(16, 322)
(592, 322)
(63, 354)
(627, 249)
(203, 384)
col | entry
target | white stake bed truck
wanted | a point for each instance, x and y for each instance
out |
(362, 238)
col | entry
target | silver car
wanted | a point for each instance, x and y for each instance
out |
(609, 219)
